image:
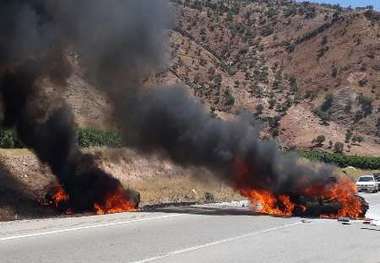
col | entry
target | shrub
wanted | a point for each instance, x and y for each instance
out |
(9, 139)
(341, 160)
(230, 99)
(349, 134)
(319, 140)
(88, 137)
(357, 139)
(338, 147)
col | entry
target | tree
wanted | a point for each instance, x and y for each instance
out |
(348, 136)
(338, 147)
(319, 140)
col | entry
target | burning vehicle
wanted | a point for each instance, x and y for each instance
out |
(119, 44)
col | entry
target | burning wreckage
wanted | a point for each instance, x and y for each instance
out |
(119, 43)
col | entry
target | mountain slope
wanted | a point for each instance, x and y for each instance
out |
(279, 59)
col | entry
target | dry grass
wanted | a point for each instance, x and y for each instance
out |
(182, 189)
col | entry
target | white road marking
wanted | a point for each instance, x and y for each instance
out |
(190, 249)
(87, 227)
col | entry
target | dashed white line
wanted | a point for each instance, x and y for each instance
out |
(87, 227)
(190, 249)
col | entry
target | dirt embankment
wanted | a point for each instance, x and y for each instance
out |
(24, 181)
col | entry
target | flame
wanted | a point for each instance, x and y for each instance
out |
(267, 203)
(342, 191)
(59, 196)
(116, 202)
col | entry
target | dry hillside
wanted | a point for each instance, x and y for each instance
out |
(304, 69)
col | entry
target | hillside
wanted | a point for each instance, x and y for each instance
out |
(305, 70)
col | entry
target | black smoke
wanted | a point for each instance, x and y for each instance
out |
(35, 37)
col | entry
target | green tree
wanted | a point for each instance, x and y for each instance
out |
(349, 134)
(338, 147)
(319, 140)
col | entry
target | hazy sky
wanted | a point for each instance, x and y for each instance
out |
(353, 3)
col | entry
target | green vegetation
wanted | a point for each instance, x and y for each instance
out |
(9, 140)
(338, 147)
(341, 160)
(90, 137)
(87, 137)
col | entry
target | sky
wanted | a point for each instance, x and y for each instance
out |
(352, 3)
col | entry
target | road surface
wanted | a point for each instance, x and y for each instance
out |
(213, 233)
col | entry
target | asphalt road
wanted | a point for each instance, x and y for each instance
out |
(191, 234)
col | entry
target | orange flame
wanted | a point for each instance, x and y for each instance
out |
(116, 202)
(59, 196)
(267, 203)
(343, 192)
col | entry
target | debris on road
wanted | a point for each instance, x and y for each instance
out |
(344, 220)
(367, 221)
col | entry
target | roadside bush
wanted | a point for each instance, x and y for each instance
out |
(341, 160)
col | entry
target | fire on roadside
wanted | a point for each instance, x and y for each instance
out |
(117, 201)
(336, 199)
